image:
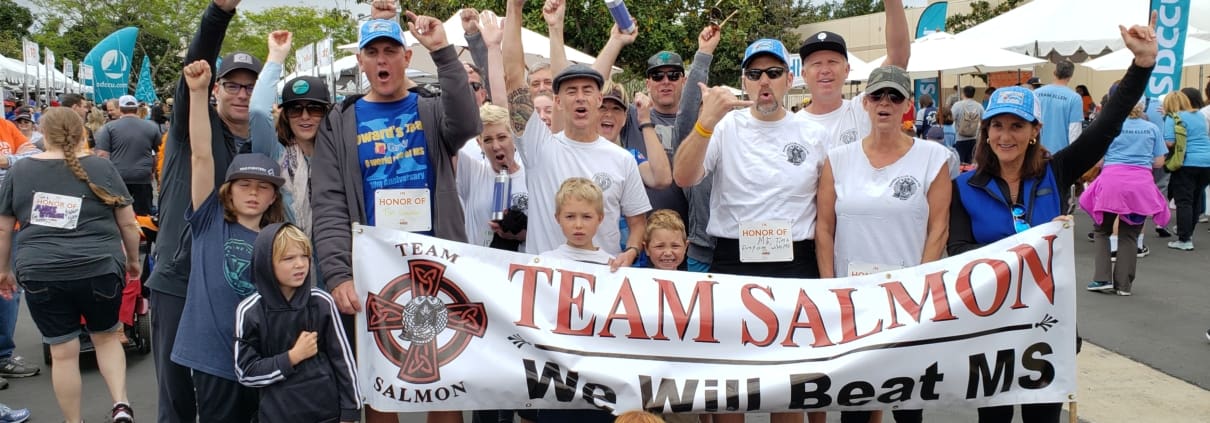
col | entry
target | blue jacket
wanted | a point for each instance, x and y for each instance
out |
(987, 201)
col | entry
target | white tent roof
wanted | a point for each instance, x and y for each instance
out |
(944, 52)
(1060, 25)
(1197, 52)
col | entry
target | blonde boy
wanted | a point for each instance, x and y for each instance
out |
(579, 210)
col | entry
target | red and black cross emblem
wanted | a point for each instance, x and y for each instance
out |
(421, 319)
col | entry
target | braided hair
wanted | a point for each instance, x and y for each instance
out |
(63, 128)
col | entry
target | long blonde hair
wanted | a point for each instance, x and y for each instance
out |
(64, 129)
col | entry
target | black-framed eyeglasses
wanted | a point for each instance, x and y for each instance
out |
(658, 76)
(890, 94)
(475, 86)
(773, 72)
(1019, 223)
(313, 109)
(233, 88)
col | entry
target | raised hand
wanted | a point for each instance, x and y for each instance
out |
(643, 103)
(279, 45)
(1142, 42)
(383, 9)
(197, 76)
(553, 12)
(227, 5)
(708, 40)
(470, 21)
(491, 27)
(427, 30)
(716, 103)
(625, 38)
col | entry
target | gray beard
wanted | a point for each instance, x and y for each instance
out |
(768, 109)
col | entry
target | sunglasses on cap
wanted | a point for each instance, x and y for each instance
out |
(313, 109)
(658, 76)
(773, 72)
(1019, 223)
(890, 94)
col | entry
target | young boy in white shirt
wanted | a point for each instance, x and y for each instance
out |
(579, 210)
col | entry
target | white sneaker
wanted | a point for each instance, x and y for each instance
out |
(1181, 245)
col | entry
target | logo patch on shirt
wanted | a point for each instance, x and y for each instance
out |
(904, 187)
(520, 201)
(795, 153)
(847, 137)
(603, 181)
(237, 268)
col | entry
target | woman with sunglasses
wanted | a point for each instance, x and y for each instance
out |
(884, 201)
(1017, 184)
(291, 140)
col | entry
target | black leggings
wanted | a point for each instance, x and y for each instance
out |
(1030, 413)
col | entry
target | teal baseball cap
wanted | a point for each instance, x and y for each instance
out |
(374, 29)
(765, 46)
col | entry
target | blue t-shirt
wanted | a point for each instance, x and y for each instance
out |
(391, 149)
(1197, 138)
(221, 276)
(1138, 144)
(1061, 107)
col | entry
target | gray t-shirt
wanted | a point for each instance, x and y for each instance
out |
(131, 143)
(67, 233)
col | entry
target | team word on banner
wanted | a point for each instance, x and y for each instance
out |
(451, 326)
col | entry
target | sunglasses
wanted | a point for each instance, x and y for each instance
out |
(313, 109)
(475, 86)
(1019, 223)
(658, 76)
(773, 72)
(892, 95)
(234, 87)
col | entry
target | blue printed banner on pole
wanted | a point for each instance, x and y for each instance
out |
(1170, 29)
(145, 91)
(110, 60)
(927, 86)
(931, 20)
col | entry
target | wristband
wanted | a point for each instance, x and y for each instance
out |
(636, 250)
(643, 126)
(697, 127)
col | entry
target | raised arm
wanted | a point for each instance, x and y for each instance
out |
(699, 72)
(659, 174)
(197, 78)
(898, 43)
(471, 31)
(520, 104)
(206, 45)
(553, 13)
(464, 123)
(264, 95)
(493, 35)
(609, 53)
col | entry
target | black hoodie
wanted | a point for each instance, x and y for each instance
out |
(322, 388)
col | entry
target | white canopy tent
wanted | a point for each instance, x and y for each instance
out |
(346, 71)
(15, 73)
(1197, 52)
(944, 52)
(1064, 26)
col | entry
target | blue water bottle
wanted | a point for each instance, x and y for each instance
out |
(501, 194)
(621, 16)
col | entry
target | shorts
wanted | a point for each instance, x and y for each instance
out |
(56, 306)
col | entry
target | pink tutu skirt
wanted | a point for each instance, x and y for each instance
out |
(1125, 190)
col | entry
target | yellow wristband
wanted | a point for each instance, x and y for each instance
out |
(697, 127)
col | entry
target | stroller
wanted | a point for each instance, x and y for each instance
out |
(135, 306)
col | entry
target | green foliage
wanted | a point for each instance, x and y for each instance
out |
(15, 21)
(980, 12)
(249, 31)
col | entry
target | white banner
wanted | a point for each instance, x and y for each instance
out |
(324, 52)
(85, 72)
(68, 68)
(304, 58)
(31, 52)
(451, 326)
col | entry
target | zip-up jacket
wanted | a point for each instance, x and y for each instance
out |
(337, 196)
(319, 389)
(981, 208)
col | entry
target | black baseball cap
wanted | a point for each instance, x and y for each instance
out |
(577, 71)
(255, 166)
(237, 61)
(307, 88)
(823, 40)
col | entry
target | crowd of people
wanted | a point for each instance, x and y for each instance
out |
(252, 293)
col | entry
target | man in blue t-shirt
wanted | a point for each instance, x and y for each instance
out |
(1062, 109)
(385, 159)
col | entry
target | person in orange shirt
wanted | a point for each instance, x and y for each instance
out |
(12, 143)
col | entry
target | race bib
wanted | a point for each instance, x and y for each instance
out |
(56, 211)
(765, 241)
(862, 269)
(403, 209)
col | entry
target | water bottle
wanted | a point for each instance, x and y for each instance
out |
(501, 194)
(621, 16)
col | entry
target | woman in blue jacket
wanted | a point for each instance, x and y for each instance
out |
(1017, 184)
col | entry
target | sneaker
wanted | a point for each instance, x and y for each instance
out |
(1091, 238)
(1122, 293)
(1143, 252)
(9, 415)
(15, 367)
(1181, 245)
(1162, 232)
(122, 413)
(1100, 286)
(1203, 219)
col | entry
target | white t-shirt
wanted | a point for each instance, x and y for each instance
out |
(882, 214)
(764, 171)
(845, 125)
(549, 159)
(476, 186)
(567, 252)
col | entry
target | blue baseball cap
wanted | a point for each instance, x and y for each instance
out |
(1018, 101)
(374, 29)
(765, 46)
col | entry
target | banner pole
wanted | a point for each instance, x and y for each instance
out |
(1072, 413)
